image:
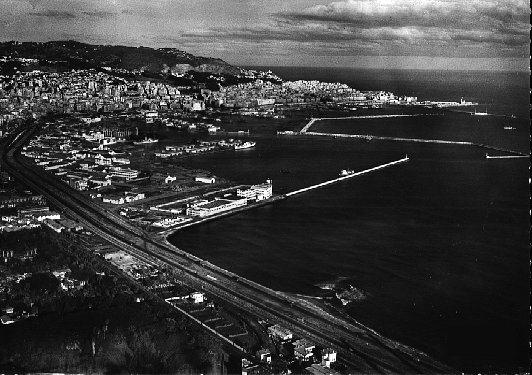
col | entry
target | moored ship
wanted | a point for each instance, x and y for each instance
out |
(346, 172)
(485, 113)
(245, 145)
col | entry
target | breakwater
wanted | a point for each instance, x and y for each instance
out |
(315, 119)
(342, 178)
(370, 137)
(275, 198)
(506, 156)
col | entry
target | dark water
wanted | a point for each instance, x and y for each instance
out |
(453, 126)
(439, 245)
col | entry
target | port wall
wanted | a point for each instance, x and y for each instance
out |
(399, 161)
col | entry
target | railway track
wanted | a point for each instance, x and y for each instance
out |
(360, 348)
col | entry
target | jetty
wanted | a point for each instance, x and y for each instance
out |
(315, 119)
(342, 178)
(273, 199)
(506, 156)
(369, 137)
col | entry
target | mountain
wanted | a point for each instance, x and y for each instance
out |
(144, 59)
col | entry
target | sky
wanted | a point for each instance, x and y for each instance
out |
(417, 34)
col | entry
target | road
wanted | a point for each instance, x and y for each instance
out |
(360, 348)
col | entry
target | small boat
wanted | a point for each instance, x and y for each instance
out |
(485, 113)
(509, 128)
(244, 145)
(146, 141)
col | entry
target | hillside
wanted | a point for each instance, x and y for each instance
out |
(75, 54)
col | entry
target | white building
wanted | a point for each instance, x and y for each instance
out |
(151, 116)
(197, 105)
(103, 160)
(197, 297)
(125, 173)
(114, 199)
(214, 207)
(169, 179)
(257, 192)
(131, 197)
(205, 179)
(248, 367)
(282, 333)
(169, 222)
(305, 345)
(264, 355)
(328, 356)
(100, 182)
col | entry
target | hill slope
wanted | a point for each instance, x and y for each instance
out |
(76, 54)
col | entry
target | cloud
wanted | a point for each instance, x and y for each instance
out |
(494, 22)
(345, 39)
(416, 13)
(55, 14)
(280, 29)
(99, 14)
(477, 28)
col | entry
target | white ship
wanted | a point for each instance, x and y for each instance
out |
(346, 172)
(509, 128)
(245, 145)
(146, 141)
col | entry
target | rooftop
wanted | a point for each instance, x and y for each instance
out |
(214, 204)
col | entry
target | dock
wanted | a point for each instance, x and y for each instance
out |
(380, 138)
(220, 215)
(275, 198)
(315, 119)
(506, 156)
(342, 178)
(369, 137)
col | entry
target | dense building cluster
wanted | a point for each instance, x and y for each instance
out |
(30, 94)
(39, 92)
(264, 93)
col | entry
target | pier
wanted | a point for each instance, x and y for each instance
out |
(305, 131)
(506, 156)
(370, 137)
(273, 199)
(342, 178)
(380, 138)
(513, 154)
(315, 119)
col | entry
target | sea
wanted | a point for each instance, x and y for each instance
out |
(435, 251)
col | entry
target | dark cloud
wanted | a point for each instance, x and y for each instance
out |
(427, 41)
(99, 14)
(490, 21)
(55, 14)
(421, 13)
